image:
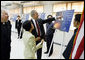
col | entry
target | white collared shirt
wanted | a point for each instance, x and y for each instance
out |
(35, 25)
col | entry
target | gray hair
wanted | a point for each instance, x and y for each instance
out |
(33, 12)
(2, 11)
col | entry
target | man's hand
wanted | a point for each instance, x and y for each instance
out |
(37, 39)
(42, 41)
(59, 17)
(57, 25)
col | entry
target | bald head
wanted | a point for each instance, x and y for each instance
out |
(4, 16)
(34, 14)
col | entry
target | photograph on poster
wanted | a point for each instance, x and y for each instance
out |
(63, 20)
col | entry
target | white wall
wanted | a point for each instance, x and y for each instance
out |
(48, 9)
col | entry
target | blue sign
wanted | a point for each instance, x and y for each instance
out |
(27, 16)
(66, 19)
(14, 17)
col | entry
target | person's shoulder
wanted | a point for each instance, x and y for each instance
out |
(32, 36)
(27, 33)
(75, 30)
(31, 20)
(9, 22)
(40, 20)
(16, 20)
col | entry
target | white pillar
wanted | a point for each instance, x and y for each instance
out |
(47, 11)
(21, 10)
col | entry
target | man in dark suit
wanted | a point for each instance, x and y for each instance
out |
(49, 35)
(38, 31)
(18, 25)
(5, 36)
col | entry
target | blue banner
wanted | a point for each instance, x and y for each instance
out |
(66, 19)
(27, 16)
(14, 17)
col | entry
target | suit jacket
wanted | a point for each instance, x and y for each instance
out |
(49, 33)
(5, 39)
(41, 22)
(47, 25)
(6, 33)
(18, 24)
(30, 45)
(69, 47)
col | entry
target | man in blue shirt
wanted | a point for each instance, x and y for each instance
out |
(49, 35)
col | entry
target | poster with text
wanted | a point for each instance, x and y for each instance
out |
(63, 20)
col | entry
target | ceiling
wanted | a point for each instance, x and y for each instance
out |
(17, 4)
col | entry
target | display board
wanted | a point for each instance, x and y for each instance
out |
(64, 18)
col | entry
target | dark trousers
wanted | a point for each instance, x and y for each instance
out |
(5, 52)
(49, 41)
(18, 30)
(21, 34)
(48, 48)
(39, 51)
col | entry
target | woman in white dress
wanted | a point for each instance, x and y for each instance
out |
(30, 41)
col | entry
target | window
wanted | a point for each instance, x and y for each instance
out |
(27, 10)
(78, 7)
(69, 6)
(39, 9)
(59, 7)
(15, 11)
(11, 11)
(24, 10)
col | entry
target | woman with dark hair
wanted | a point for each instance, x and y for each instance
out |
(30, 41)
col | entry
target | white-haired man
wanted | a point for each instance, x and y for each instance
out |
(5, 35)
(38, 31)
